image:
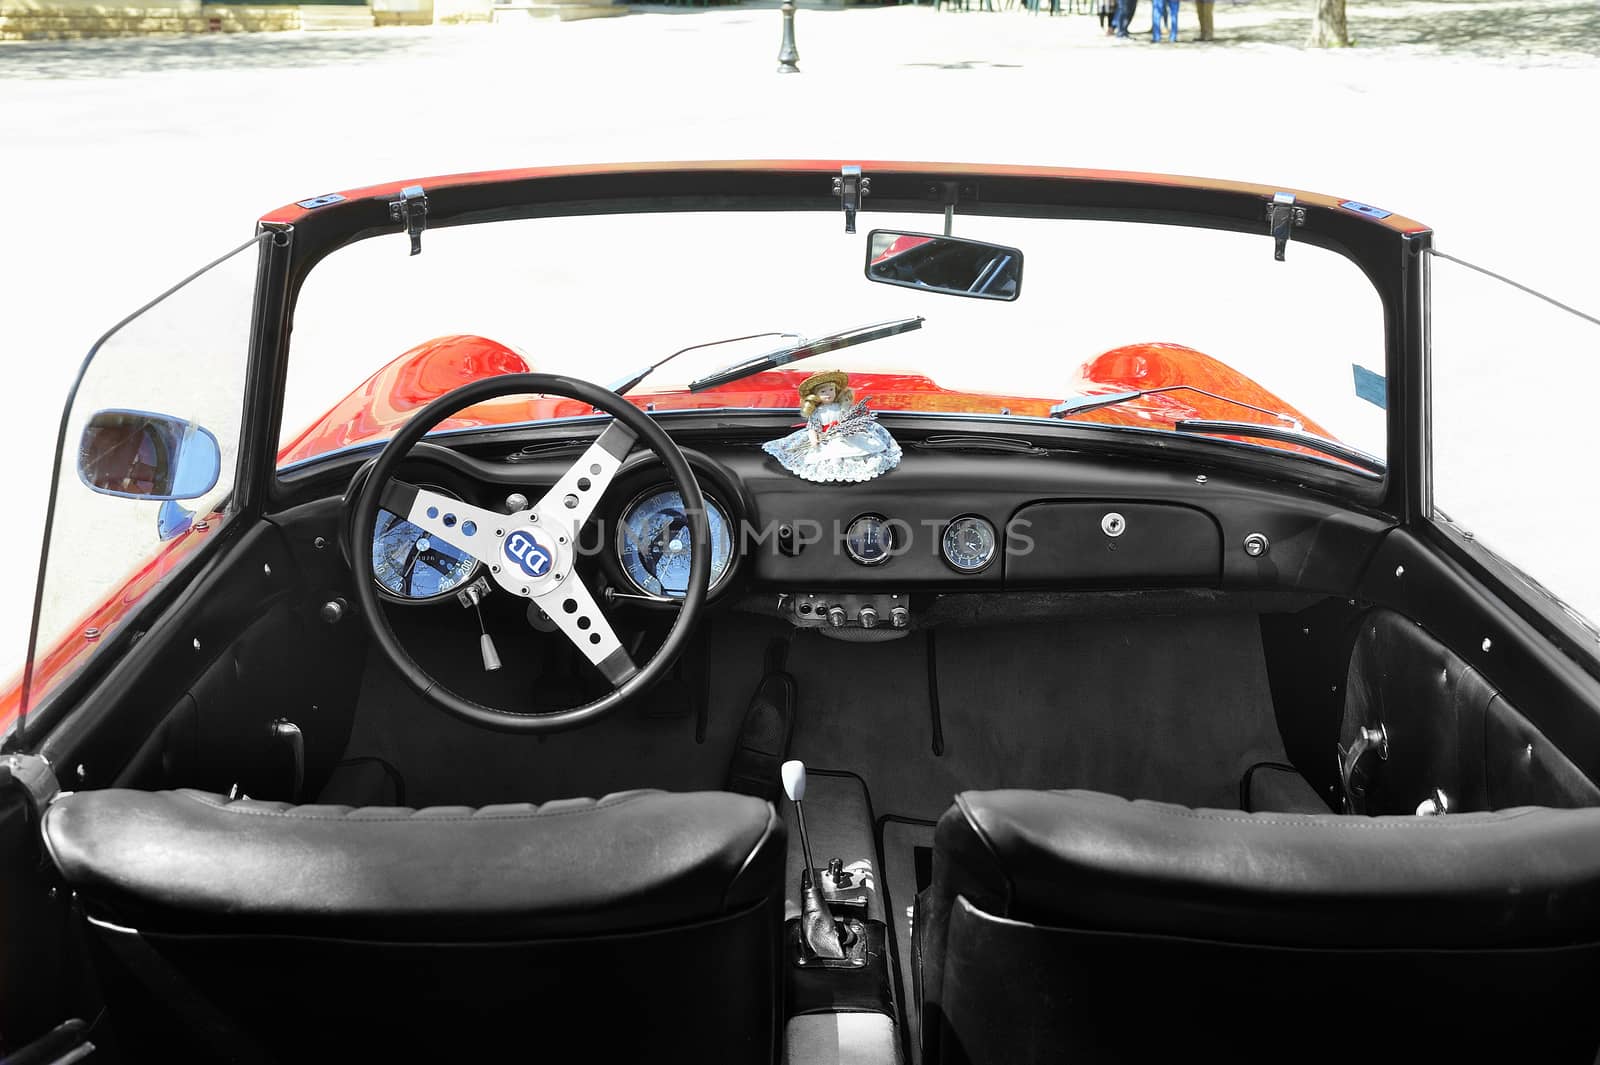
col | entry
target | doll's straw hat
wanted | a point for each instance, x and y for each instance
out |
(838, 378)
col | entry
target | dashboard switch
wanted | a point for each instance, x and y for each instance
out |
(788, 542)
(868, 617)
(836, 616)
(899, 617)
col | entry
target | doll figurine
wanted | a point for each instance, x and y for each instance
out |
(841, 439)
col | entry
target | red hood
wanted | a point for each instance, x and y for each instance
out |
(389, 397)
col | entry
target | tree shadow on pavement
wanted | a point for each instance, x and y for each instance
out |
(122, 56)
(1491, 29)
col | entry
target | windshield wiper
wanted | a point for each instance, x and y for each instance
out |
(795, 352)
(626, 384)
(1111, 399)
(1290, 432)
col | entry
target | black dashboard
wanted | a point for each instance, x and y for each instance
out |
(959, 514)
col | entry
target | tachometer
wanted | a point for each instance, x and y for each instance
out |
(969, 543)
(653, 542)
(411, 564)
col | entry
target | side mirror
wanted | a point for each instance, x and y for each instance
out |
(139, 455)
(951, 265)
(172, 521)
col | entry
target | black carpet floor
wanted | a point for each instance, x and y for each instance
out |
(1168, 708)
(1163, 708)
(661, 741)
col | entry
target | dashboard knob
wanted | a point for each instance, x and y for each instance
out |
(868, 617)
(899, 617)
(836, 616)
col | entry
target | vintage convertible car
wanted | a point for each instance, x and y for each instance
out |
(1163, 659)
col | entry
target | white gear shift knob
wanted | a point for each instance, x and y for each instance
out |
(794, 780)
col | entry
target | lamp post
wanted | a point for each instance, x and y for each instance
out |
(788, 55)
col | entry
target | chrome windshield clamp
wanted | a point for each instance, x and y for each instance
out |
(411, 211)
(1282, 215)
(850, 187)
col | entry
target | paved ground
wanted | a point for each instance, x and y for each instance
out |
(126, 163)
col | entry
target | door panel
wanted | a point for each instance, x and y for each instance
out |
(192, 704)
(1551, 689)
(1523, 768)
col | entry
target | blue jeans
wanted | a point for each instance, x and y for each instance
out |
(1171, 9)
(1125, 15)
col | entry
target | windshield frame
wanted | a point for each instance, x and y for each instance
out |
(1383, 248)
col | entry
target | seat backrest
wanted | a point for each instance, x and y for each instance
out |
(1077, 926)
(262, 931)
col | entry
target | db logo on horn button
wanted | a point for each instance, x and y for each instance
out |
(530, 554)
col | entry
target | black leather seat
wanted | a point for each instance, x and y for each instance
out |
(1076, 926)
(642, 926)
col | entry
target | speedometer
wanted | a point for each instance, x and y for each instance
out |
(969, 543)
(412, 564)
(653, 542)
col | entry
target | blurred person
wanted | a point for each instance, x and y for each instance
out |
(1125, 10)
(1167, 9)
(1203, 10)
(1108, 16)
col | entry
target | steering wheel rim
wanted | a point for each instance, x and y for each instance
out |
(643, 429)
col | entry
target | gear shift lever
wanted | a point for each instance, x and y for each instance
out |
(821, 935)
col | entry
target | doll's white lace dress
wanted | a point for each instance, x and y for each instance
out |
(849, 445)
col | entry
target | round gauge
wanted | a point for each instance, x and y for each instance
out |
(869, 540)
(653, 542)
(969, 543)
(412, 564)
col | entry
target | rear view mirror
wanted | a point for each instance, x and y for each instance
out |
(140, 455)
(950, 265)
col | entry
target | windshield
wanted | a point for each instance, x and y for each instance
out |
(1104, 307)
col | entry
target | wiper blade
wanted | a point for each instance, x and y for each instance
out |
(1111, 399)
(1290, 432)
(795, 352)
(1284, 435)
(626, 384)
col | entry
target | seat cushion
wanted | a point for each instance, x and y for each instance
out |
(1087, 860)
(193, 862)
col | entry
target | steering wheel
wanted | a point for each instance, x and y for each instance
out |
(531, 554)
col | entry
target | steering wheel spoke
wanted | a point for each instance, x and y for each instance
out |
(572, 499)
(469, 529)
(575, 612)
